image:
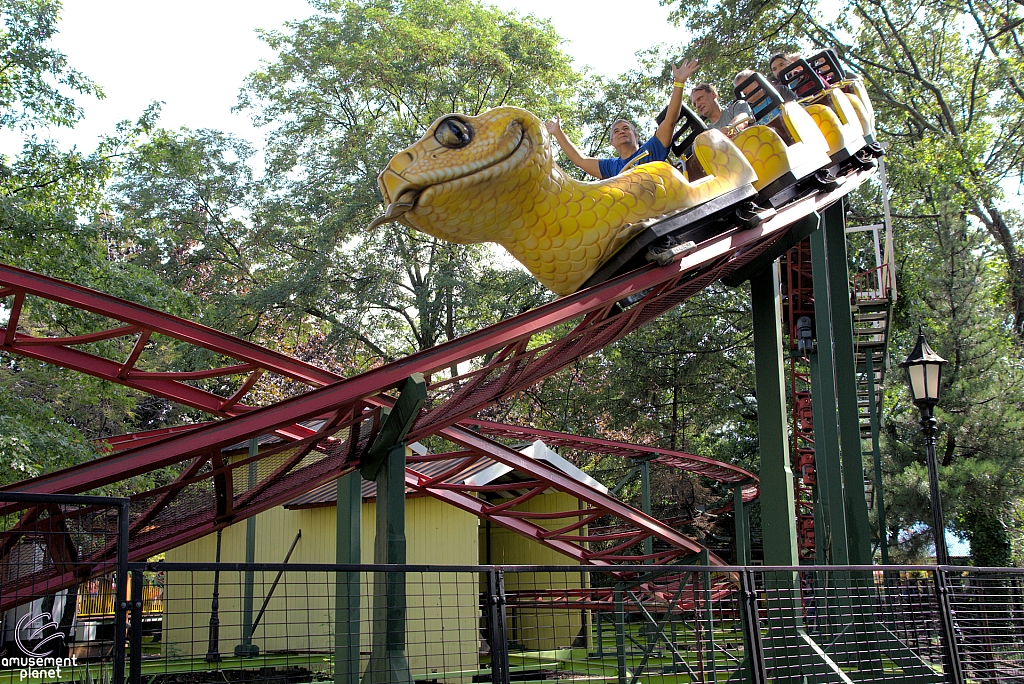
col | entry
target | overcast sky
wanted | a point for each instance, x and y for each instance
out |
(194, 54)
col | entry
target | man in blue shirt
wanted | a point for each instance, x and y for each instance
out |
(624, 138)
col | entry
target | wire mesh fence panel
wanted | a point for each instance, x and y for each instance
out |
(259, 623)
(398, 624)
(868, 625)
(988, 618)
(63, 583)
(653, 624)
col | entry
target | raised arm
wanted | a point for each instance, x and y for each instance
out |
(679, 74)
(590, 165)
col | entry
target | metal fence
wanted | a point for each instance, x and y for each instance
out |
(372, 624)
(51, 549)
(375, 624)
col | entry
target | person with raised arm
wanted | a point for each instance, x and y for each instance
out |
(624, 136)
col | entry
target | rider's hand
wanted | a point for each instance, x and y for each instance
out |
(683, 71)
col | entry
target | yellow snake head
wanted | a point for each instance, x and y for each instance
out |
(457, 175)
(493, 178)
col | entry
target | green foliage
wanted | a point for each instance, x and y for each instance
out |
(36, 436)
(990, 543)
(33, 72)
(351, 86)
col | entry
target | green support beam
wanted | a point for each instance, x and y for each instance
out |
(349, 519)
(831, 542)
(794, 656)
(247, 649)
(858, 529)
(385, 463)
(777, 497)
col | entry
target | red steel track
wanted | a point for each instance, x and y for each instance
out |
(502, 361)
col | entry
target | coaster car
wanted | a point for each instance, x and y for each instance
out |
(832, 110)
(785, 146)
(828, 67)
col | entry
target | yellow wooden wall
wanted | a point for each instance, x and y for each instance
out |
(443, 611)
(537, 629)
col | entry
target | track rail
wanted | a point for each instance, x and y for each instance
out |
(211, 492)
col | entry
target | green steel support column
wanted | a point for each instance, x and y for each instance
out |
(778, 505)
(858, 529)
(742, 525)
(388, 662)
(384, 463)
(645, 502)
(777, 499)
(246, 649)
(349, 518)
(876, 453)
(832, 548)
(620, 632)
(828, 465)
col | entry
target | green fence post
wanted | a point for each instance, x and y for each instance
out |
(620, 632)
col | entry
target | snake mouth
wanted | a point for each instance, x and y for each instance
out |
(396, 209)
(407, 192)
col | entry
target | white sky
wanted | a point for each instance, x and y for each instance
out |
(193, 55)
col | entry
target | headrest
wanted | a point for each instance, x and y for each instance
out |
(761, 95)
(826, 64)
(803, 80)
(692, 126)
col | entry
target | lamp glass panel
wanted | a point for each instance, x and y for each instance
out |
(932, 372)
(915, 372)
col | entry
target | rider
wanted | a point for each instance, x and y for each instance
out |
(624, 137)
(705, 101)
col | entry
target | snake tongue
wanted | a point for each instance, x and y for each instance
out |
(395, 210)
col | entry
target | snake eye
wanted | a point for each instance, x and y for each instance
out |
(453, 133)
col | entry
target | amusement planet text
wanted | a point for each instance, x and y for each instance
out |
(39, 667)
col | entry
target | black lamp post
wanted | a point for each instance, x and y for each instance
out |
(924, 373)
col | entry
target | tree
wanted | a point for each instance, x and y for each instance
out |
(32, 72)
(351, 86)
(955, 294)
(53, 220)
